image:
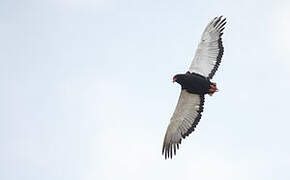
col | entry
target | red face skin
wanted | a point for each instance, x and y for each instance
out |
(174, 80)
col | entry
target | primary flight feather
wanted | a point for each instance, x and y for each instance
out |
(195, 83)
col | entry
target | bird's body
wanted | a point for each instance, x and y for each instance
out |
(195, 84)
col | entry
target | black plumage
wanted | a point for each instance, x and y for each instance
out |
(194, 83)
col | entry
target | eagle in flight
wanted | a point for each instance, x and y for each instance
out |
(195, 84)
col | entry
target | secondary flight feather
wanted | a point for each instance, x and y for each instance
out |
(195, 84)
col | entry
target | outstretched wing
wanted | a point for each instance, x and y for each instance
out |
(210, 49)
(183, 121)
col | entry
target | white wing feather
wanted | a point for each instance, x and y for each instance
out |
(210, 49)
(183, 121)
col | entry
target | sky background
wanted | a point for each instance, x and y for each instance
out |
(86, 90)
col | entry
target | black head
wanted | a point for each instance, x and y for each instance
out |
(178, 78)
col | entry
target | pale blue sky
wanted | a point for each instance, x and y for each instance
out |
(86, 90)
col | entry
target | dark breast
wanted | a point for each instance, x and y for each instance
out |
(195, 83)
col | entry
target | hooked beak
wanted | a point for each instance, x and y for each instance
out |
(174, 80)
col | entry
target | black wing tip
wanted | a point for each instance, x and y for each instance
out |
(219, 23)
(220, 17)
(170, 150)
